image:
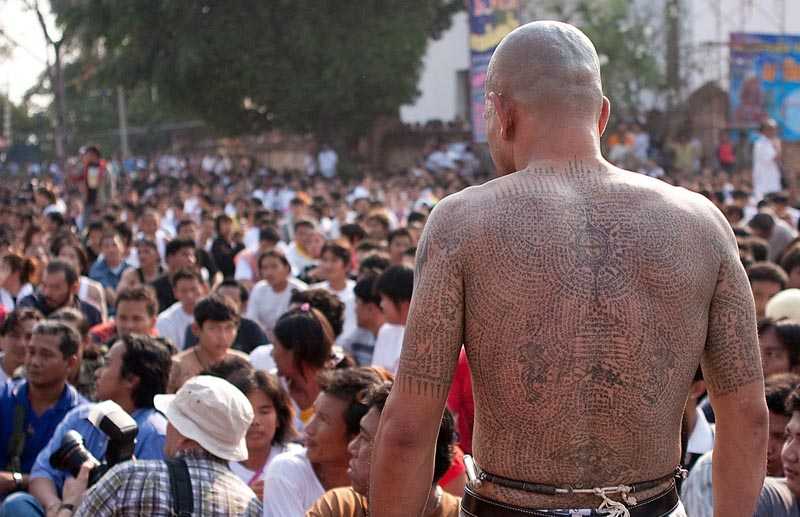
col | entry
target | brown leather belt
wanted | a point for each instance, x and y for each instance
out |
(474, 505)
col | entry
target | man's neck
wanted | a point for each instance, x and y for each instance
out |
(375, 327)
(404, 308)
(554, 153)
(4, 364)
(256, 458)
(113, 265)
(691, 419)
(331, 475)
(13, 287)
(282, 287)
(44, 397)
(126, 403)
(207, 358)
(338, 284)
(69, 302)
(186, 310)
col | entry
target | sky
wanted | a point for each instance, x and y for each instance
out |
(19, 72)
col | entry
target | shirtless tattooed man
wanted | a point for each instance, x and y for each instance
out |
(586, 296)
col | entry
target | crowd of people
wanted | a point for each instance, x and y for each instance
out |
(251, 324)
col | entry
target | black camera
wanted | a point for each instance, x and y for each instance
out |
(115, 423)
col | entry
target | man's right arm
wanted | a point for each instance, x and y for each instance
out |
(732, 369)
(46, 480)
(44, 490)
(175, 377)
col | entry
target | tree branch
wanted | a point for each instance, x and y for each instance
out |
(42, 22)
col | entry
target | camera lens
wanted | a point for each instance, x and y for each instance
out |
(71, 455)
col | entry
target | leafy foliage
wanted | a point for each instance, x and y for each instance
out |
(627, 39)
(322, 66)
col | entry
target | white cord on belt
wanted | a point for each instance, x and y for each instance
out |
(613, 508)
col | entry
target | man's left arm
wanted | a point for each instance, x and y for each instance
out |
(9, 482)
(403, 458)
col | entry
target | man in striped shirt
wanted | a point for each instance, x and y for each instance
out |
(208, 419)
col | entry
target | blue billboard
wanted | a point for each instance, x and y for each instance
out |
(765, 81)
(489, 22)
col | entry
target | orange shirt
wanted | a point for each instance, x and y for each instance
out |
(346, 502)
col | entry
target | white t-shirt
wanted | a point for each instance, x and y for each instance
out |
(297, 260)
(246, 475)
(251, 237)
(766, 173)
(3, 375)
(265, 306)
(701, 440)
(243, 269)
(348, 298)
(261, 359)
(290, 485)
(9, 302)
(172, 323)
(388, 346)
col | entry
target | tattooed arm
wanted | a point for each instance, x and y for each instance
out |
(403, 458)
(732, 370)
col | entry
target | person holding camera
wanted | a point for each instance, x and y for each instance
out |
(207, 422)
(136, 370)
(31, 410)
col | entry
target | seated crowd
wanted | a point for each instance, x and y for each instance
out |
(251, 329)
(253, 350)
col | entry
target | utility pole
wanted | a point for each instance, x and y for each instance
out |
(7, 115)
(783, 16)
(672, 15)
(122, 113)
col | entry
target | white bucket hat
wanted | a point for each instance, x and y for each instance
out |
(785, 304)
(212, 412)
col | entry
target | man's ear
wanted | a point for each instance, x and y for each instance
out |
(698, 389)
(72, 361)
(132, 380)
(605, 115)
(504, 110)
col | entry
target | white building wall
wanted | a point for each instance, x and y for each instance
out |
(439, 88)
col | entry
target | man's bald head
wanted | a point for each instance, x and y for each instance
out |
(546, 67)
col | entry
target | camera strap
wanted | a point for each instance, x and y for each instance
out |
(181, 487)
(16, 442)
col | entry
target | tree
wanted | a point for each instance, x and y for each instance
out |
(321, 66)
(55, 76)
(626, 41)
(91, 110)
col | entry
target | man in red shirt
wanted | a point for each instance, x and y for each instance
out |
(135, 314)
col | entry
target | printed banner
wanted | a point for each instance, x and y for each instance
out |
(489, 22)
(765, 81)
